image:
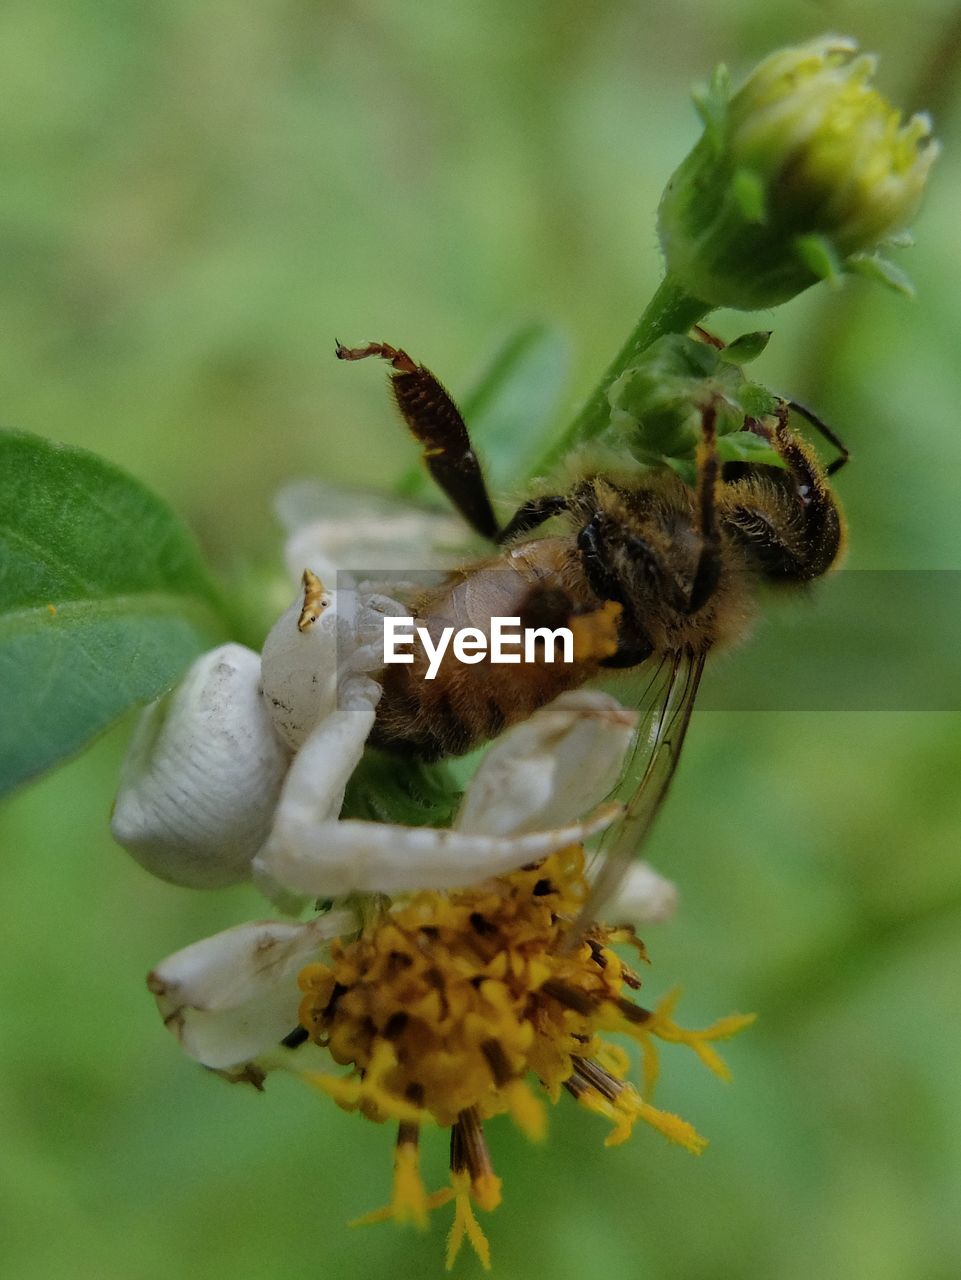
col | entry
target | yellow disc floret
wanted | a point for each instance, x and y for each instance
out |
(445, 1004)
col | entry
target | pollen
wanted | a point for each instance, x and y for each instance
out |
(451, 1009)
(595, 633)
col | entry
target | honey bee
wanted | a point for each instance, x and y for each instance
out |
(651, 571)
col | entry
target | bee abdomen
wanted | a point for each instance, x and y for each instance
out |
(430, 721)
(464, 704)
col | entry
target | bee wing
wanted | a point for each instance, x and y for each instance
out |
(665, 713)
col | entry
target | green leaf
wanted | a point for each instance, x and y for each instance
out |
(746, 348)
(749, 193)
(511, 408)
(755, 400)
(819, 256)
(745, 446)
(393, 788)
(711, 103)
(104, 600)
(881, 270)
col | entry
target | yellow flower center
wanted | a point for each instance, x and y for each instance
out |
(445, 1004)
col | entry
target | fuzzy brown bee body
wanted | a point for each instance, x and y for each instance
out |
(678, 567)
(463, 705)
(649, 556)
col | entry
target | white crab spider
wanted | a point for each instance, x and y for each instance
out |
(241, 771)
(206, 765)
(245, 769)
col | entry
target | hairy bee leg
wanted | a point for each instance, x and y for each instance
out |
(533, 513)
(805, 546)
(827, 432)
(436, 423)
(634, 646)
(606, 581)
(822, 525)
(708, 570)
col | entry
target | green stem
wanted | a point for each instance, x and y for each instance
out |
(671, 310)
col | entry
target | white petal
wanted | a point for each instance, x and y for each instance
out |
(202, 775)
(644, 897)
(233, 996)
(335, 858)
(551, 768)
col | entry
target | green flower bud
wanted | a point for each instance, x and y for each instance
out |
(801, 175)
(657, 403)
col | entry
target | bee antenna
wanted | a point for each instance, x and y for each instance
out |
(827, 432)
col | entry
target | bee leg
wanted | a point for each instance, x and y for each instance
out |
(596, 632)
(606, 581)
(436, 423)
(827, 432)
(793, 531)
(533, 513)
(708, 569)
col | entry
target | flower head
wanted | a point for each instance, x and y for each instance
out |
(803, 173)
(446, 1006)
(448, 1009)
(454, 978)
(226, 996)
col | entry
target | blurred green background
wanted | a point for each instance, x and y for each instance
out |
(197, 198)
